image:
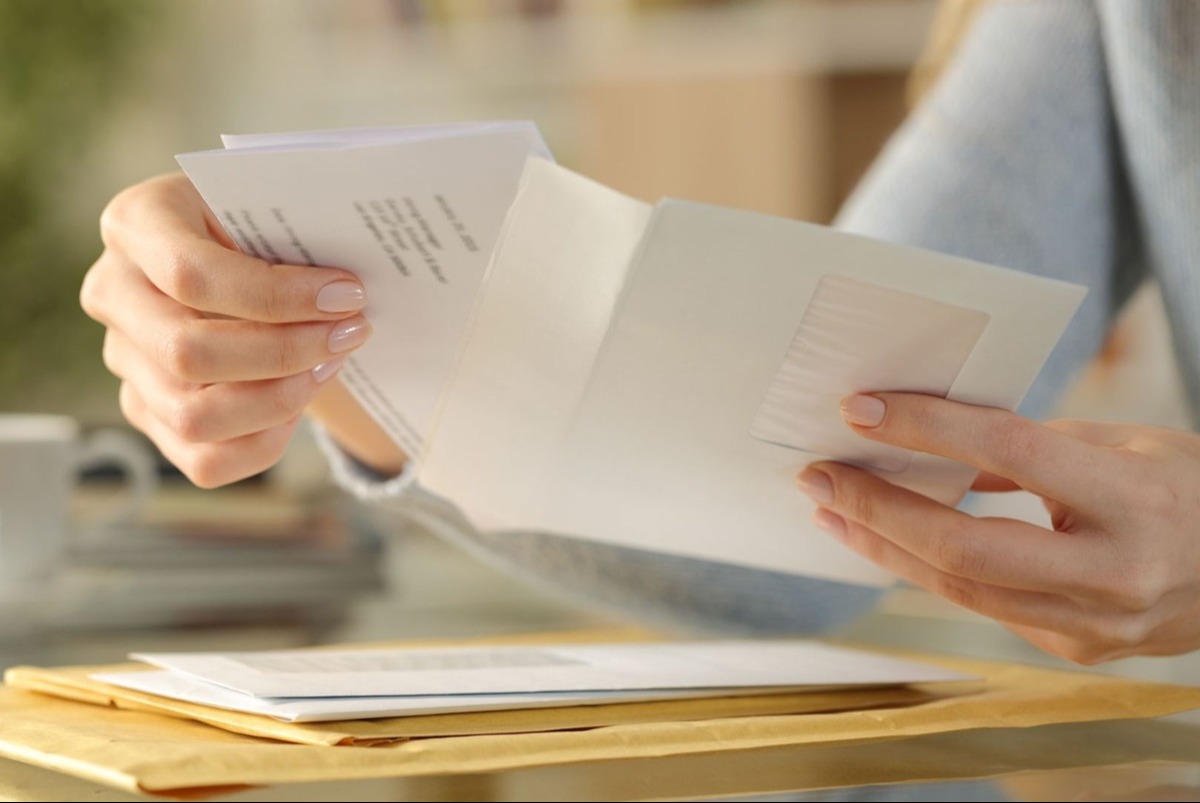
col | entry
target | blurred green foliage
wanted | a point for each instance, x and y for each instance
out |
(63, 65)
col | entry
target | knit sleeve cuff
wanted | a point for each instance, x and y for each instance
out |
(360, 479)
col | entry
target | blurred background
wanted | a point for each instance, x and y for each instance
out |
(773, 106)
(763, 104)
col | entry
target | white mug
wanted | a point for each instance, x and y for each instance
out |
(41, 459)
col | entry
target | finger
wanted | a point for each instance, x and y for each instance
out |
(212, 413)
(162, 227)
(1100, 634)
(209, 465)
(1055, 643)
(1002, 552)
(1036, 457)
(1096, 433)
(210, 351)
(989, 482)
(1031, 608)
(1070, 646)
(104, 288)
(1058, 624)
(199, 350)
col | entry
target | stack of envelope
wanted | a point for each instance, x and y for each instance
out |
(308, 686)
(648, 699)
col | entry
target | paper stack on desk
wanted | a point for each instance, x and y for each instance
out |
(312, 686)
(648, 376)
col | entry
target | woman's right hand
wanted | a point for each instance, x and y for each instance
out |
(218, 353)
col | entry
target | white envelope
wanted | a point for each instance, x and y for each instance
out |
(725, 664)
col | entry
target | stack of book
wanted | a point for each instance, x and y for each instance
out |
(235, 562)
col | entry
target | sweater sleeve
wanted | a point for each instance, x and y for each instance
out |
(1012, 158)
(667, 591)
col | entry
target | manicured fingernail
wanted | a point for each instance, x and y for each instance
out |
(830, 522)
(817, 485)
(865, 411)
(326, 370)
(341, 297)
(349, 334)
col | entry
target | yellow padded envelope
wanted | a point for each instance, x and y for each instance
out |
(143, 751)
(74, 683)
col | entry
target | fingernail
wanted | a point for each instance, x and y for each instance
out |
(341, 297)
(830, 522)
(864, 411)
(817, 485)
(349, 334)
(327, 369)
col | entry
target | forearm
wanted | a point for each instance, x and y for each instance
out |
(349, 425)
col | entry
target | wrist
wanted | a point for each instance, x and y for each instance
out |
(353, 429)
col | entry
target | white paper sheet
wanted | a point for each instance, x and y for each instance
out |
(413, 212)
(728, 664)
(177, 686)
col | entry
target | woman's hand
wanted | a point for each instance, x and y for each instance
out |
(219, 353)
(1118, 575)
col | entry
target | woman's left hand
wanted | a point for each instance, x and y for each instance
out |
(1119, 573)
